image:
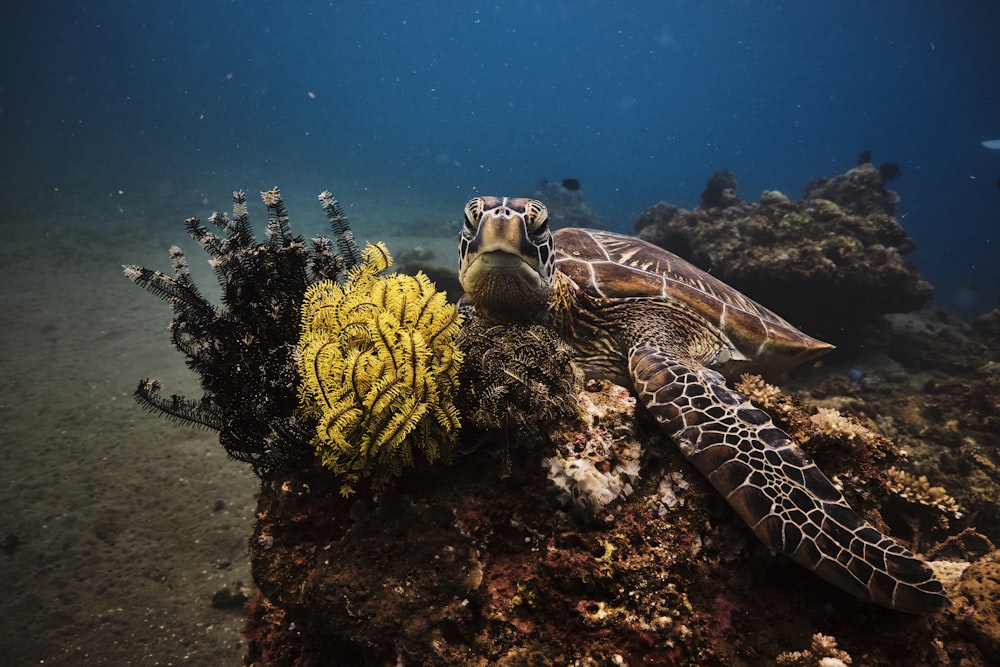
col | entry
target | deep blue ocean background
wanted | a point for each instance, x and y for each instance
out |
(118, 120)
(439, 100)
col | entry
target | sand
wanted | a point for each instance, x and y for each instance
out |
(119, 526)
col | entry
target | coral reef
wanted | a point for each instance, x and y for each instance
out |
(244, 351)
(834, 260)
(567, 207)
(823, 431)
(456, 566)
(935, 392)
(527, 392)
(379, 368)
(460, 567)
(987, 327)
(862, 192)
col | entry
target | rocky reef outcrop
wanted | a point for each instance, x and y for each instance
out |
(567, 529)
(490, 561)
(833, 261)
(478, 563)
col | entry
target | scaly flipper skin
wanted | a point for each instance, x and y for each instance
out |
(774, 486)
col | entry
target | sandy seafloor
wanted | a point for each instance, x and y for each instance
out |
(118, 525)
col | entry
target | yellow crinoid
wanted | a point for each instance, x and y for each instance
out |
(379, 371)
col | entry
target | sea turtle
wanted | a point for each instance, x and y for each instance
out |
(646, 318)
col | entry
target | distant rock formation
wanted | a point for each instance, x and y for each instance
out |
(568, 207)
(834, 260)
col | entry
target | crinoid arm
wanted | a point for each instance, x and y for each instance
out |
(347, 247)
(278, 229)
(180, 291)
(199, 413)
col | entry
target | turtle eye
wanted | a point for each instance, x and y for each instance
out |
(536, 216)
(474, 213)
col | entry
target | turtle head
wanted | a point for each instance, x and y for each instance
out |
(506, 260)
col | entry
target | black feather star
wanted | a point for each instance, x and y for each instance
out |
(244, 351)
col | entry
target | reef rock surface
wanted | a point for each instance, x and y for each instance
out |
(834, 259)
(484, 562)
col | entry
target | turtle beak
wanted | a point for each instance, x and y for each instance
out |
(498, 266)
(502, 230)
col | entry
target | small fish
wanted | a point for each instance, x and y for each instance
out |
(865, 157)
(571, 184)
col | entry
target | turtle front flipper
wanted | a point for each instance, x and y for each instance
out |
(775, 487)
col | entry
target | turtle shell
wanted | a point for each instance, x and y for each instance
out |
(615, 267)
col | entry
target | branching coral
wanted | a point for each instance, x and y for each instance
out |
(243, 351)
(833, 424)
(822, 652)
(919, 490)
(379, 369)
(766, 396)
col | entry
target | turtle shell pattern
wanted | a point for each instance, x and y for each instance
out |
(611, 267)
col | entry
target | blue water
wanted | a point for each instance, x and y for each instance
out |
(640, 100)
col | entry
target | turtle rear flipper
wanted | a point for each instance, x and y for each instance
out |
(775, 487)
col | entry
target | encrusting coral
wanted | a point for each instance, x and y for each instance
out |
(379, 369)
(597, 457)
